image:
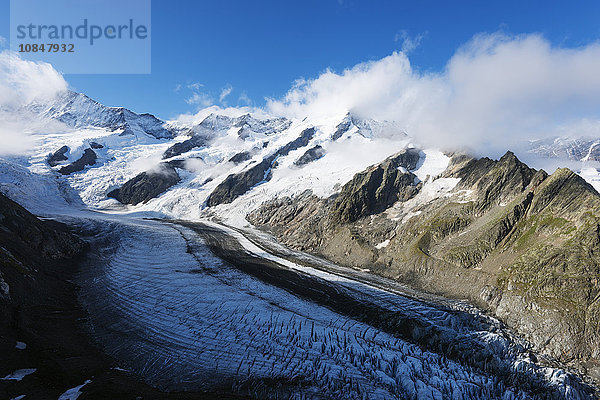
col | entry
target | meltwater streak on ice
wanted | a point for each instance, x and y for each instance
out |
(171, 311)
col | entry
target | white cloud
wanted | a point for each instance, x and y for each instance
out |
(21, 83)
(244, 99)
(195, 85)
(409, 43)
(199, 99)
(495, 92)
(224, 93)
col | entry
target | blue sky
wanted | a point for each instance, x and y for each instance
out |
(258, 49)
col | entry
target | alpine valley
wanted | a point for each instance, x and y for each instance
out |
(235, 254)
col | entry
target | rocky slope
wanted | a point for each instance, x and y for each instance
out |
(35, 261)
(509, 238)
(236, 185)
(146, 185)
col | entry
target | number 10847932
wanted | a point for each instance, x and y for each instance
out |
(46, 48)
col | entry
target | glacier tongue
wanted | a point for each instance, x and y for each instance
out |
(168, 309)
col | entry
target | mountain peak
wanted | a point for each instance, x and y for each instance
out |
(80, 111)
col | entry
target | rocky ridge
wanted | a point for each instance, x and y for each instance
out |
(511, 239)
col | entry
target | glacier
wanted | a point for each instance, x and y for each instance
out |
(165, 301)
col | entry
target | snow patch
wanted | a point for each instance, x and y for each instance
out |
(19, 374)
(431, 190)
(383, 244)
(73, 393)
(433, 162)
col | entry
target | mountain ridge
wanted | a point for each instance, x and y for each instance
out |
(520, 241)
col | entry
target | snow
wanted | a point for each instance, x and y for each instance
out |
(592, 176)
(383, 244)
(431, 190)
(19, 374)
(433, 162)
(73, 393)
(124, 156)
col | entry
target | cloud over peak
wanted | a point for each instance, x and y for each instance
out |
(495, 92)
(23, 82)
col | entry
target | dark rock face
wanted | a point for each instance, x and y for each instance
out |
(236, 185)
(146, 186)
(495, 180)
(59, 155)
(21, 233)
(176, 163)
(301, 141)
(240, 157)
(376, 189)
(183, 164)
(311, 155)
(35, 260)
(342, 128)
(95, 145)
(88, 158)
(177, 149)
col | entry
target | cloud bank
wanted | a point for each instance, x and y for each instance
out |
(21, 83)
(496, 92)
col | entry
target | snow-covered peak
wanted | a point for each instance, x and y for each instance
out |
(575, 149)
(246, 125)
(366, 127)
(79, 111)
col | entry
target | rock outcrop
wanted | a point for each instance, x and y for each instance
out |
(196, 141)
(236, 185)
(241, 157)
(58, 156)
(373, 191)
(310, 155)
(88, 157)
(146, 185)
